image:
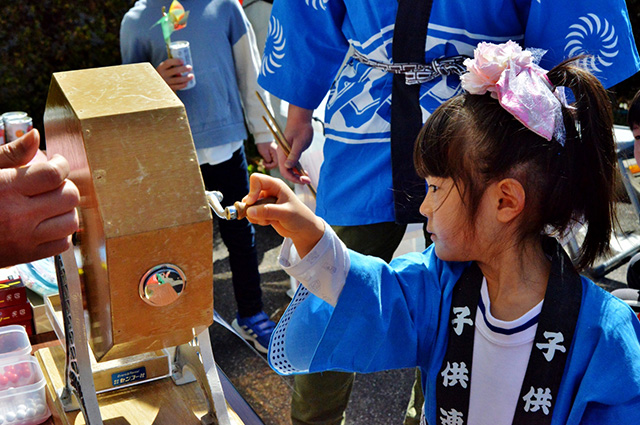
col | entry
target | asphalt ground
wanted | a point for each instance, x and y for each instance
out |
(378, 398)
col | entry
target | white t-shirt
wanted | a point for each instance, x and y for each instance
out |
(501, 353)
(218, 154)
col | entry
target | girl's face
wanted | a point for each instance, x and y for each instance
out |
(450, 230)
(636, 144)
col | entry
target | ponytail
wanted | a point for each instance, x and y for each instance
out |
(587, 162)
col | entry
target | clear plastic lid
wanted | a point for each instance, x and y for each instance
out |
(14, 342)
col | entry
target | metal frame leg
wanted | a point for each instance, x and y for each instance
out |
(78, 373)
(199, 360)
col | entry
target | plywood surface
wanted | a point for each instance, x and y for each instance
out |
(159, 402)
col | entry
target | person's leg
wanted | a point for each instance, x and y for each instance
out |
(378, 239)
(427, 236)
(321, 398)
(232, 180)
(414, 408)
(633, 272)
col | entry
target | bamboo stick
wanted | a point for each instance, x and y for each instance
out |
(278, 135)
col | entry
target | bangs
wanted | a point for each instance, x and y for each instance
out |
(435, 150)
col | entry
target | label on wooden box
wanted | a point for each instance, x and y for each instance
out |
(129, 376)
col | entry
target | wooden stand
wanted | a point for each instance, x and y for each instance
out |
(160, 402)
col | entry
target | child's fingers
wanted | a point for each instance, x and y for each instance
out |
(267, 213)
(262, 186)
(284, 218)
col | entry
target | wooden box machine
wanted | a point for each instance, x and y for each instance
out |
(146, 229)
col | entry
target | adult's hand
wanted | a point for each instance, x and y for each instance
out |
(171, 72)
(37, 202)
(299, 133)
(269, 154)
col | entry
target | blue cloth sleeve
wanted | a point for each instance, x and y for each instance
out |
(237, 21)
(601, 383)
(385, 317)
(304, 50)
(595, 27)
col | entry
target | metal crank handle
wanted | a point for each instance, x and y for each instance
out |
(237, 211)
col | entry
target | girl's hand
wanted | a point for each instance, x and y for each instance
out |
(288, 216)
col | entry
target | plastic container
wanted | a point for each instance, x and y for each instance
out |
(14, 344)
(22, 393)
(22, 386)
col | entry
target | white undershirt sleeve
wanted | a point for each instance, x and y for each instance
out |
(247, 62)
(323, 271)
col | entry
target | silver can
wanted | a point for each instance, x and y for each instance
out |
(11, 115)
(181, 50)
(17, 127)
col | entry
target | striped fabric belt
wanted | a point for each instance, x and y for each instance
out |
(416, 73)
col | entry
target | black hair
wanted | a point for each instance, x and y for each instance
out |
(475, 141)
(633, 117)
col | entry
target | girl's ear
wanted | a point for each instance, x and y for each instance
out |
(510, 198)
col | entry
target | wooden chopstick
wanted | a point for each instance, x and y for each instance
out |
(275, 128)
(278, 135)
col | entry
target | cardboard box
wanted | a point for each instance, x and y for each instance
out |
(41, 323)
(27, 325)
(15, 314)
(12, 293)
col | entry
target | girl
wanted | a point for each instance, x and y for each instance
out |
(501, 325)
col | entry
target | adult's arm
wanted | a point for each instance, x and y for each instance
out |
(304, 51)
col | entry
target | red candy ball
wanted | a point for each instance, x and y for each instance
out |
(25, 371)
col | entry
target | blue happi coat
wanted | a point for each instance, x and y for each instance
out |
(309, 39)
(396, 316)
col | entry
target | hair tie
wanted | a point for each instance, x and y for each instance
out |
(513, 77)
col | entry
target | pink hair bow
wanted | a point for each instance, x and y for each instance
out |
(512, 76)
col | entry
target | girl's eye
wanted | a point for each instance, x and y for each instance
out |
(433, 188)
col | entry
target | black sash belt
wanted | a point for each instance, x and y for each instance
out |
(554, 334)
(409, 39)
